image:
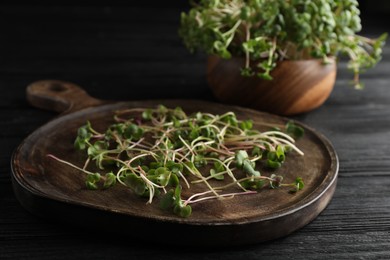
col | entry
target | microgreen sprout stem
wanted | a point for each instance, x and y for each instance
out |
(155, 152)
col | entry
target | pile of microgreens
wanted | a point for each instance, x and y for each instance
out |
(157, 152)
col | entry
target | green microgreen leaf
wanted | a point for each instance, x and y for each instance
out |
(92, 180)
(174, 180)
(178, 193)
(162, 109)
(189, 167)
(83, 136)
(168, 200)
(273, 164)
(93, 177)
(280, 153)
(147, 114)
(256, 151)
(110, 180)
(174, 167)
(163, 177)
(179, 113)
(213, 173)
(199, 161)
(183, 211)
(243, 162)
(194, 134)
(249, 168)
(135, 183)
(252, 184)
(218, 166)
(294, 130)
(155, 165)
(298, 185)
(91, 185)
(241, 156)
(246, 125)
(133, 131)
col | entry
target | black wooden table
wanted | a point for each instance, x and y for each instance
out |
(123, 52)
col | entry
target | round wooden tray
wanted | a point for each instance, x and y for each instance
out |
(53, 190)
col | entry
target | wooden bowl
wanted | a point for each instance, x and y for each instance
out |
(297, 86)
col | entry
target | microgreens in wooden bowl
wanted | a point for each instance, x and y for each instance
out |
(266, 32)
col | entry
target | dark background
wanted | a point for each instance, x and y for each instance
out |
(120, 46)
(120, 50)
(114, 45)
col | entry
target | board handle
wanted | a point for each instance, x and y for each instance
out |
(60, 96)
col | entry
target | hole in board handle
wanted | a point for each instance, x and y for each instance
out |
(55, 87)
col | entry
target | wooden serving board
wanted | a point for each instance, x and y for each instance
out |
(53, 190)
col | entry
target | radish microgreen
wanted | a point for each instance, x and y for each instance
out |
(162, 152)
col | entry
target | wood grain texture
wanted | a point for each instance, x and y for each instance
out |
(40, 41)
